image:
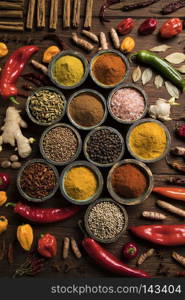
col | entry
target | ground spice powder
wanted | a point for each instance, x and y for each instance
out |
(148, 140)
(128, 181)
(109, 68)
(80, 183)
(86, 110)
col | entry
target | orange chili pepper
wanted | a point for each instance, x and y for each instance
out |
(171, 192)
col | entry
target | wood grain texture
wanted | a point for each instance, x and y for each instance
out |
(161, 170)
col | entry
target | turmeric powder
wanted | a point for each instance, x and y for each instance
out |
(148, 140)
(80, 183)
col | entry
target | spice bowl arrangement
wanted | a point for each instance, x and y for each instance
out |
(104, 146)
(81, 183)
(109, 68)
(130, 182)
(87, 109)
(60, 144)
(68, 69)
(105, 220)
(37, 180)
(148, 140)
(127, 103)
(46, 106)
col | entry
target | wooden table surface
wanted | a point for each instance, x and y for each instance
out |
(160, 170)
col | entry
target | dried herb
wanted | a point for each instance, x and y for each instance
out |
(138, 5)
(31, 267)
(136, 75)
(32, 79)
(175, 58)
(10, 254)
(2, 249)
(173, 6)
(160, 48)
(172, 89)
(103, 8)
(147, 76)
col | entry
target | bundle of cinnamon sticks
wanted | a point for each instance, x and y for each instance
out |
(11, 9)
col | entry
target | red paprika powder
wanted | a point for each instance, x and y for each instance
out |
(128, 181)
(109, 68)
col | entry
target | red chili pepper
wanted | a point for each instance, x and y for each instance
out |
(165, 235)
(171, 28)
(125, 26)
(171, 192)
(12, 70)
(4, 181)
(47, 245)
(44, 215)
(148, 26)
(130, 250)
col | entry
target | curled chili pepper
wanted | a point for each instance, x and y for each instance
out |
(12, 70)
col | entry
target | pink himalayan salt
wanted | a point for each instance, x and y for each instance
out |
(127, 104)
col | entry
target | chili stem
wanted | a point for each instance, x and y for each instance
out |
(14, 100)
(10, 204)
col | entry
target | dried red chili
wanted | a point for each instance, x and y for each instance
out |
(125, 26)
(148, 26)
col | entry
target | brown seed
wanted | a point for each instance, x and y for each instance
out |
(14, 157)
(5, 164)
(16, 165)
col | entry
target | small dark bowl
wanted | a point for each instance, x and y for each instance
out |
(94, 93)
(131, 201)
(78, 139)
(70, 53)
(105, 241)
(29, 113)
(87, 139)
(97, 173)
(168, 139)
(23, 194)
(133, 86)
(118, 53)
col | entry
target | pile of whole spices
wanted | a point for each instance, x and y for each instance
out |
(128, 181)
(127, 104)
(148, 140)
(86, 110)
(60, 144)
(80, 183)
(106, 220)
(46, 106)
(109, 68)
(104, 146)
(38, 180)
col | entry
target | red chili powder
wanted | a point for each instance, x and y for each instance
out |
(109, 68)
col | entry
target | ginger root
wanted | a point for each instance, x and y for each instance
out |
(12, 132)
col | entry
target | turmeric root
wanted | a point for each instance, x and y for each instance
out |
(81, 42)
(153, 215)
(171, 208)
(179, 258)
(90, 35)
(115, 38)
(103, 41)
(66, 247)
(75, 248)
(12, 132)
(145, 255)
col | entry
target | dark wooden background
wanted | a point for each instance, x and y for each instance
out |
(86, 267)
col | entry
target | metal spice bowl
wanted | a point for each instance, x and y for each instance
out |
(86, 217)
(87, 139)
(78, 150)
(97, 173)
(49, 88)
(71, 53)
(131, 201)
(95, 94)
(23, 194)
(93, 59)
(168, 140)
(122, 86)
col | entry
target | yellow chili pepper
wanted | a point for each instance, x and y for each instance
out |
(3, 50)
(25, 236)
(3, 198)
(50, 53)
(3, 224)
(128, 44)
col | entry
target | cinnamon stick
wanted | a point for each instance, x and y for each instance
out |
(11, 14)
(10, 5)
(76, 13)
(88, 14)
(30, 14)
(13, 26)
(53, 15)
(66, 13)
(41, 14)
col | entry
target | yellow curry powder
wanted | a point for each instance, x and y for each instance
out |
(68, 70)
(148, 140)
(80, 183)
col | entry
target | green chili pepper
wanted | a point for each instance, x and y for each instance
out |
(161, 66)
